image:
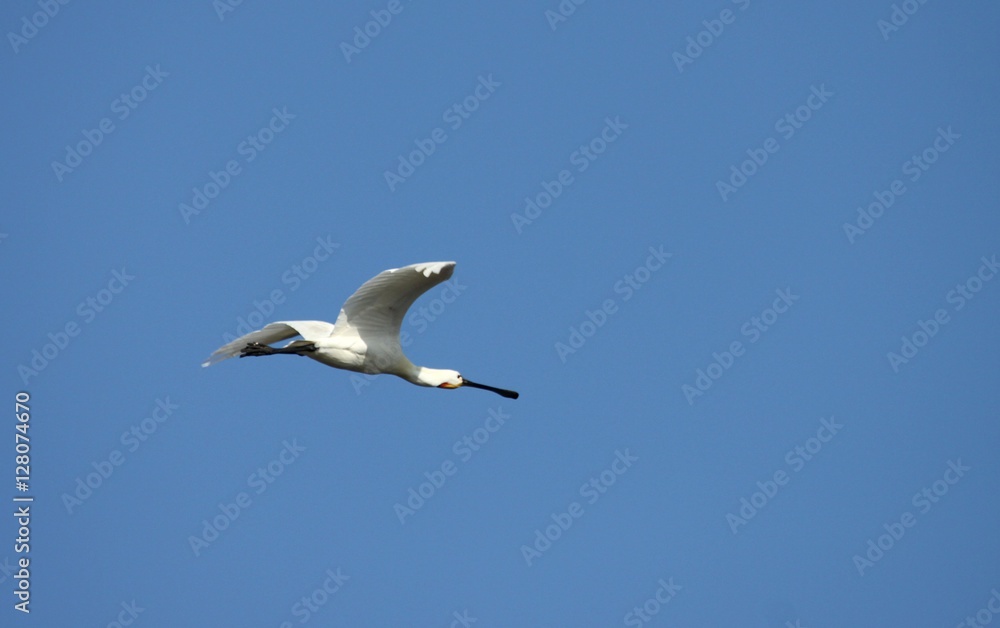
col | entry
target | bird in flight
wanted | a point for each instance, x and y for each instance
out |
(365, 337)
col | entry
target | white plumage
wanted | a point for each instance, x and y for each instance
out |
(365, 337)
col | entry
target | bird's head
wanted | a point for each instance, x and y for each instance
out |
(449, 379)
(446, 378)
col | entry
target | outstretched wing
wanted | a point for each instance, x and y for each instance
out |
(273, 332)
(375, 312)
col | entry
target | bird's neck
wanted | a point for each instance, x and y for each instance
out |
(423, 376)
(419, 375)
(410, 372)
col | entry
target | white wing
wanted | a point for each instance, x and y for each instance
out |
(273, 332)
(375, 312)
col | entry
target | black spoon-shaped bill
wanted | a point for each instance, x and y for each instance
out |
(510, 394)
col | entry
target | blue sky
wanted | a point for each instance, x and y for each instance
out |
(738, 258)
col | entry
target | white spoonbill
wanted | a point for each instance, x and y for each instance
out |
(365, 337)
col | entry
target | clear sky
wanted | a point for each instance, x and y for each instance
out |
(739, 259)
